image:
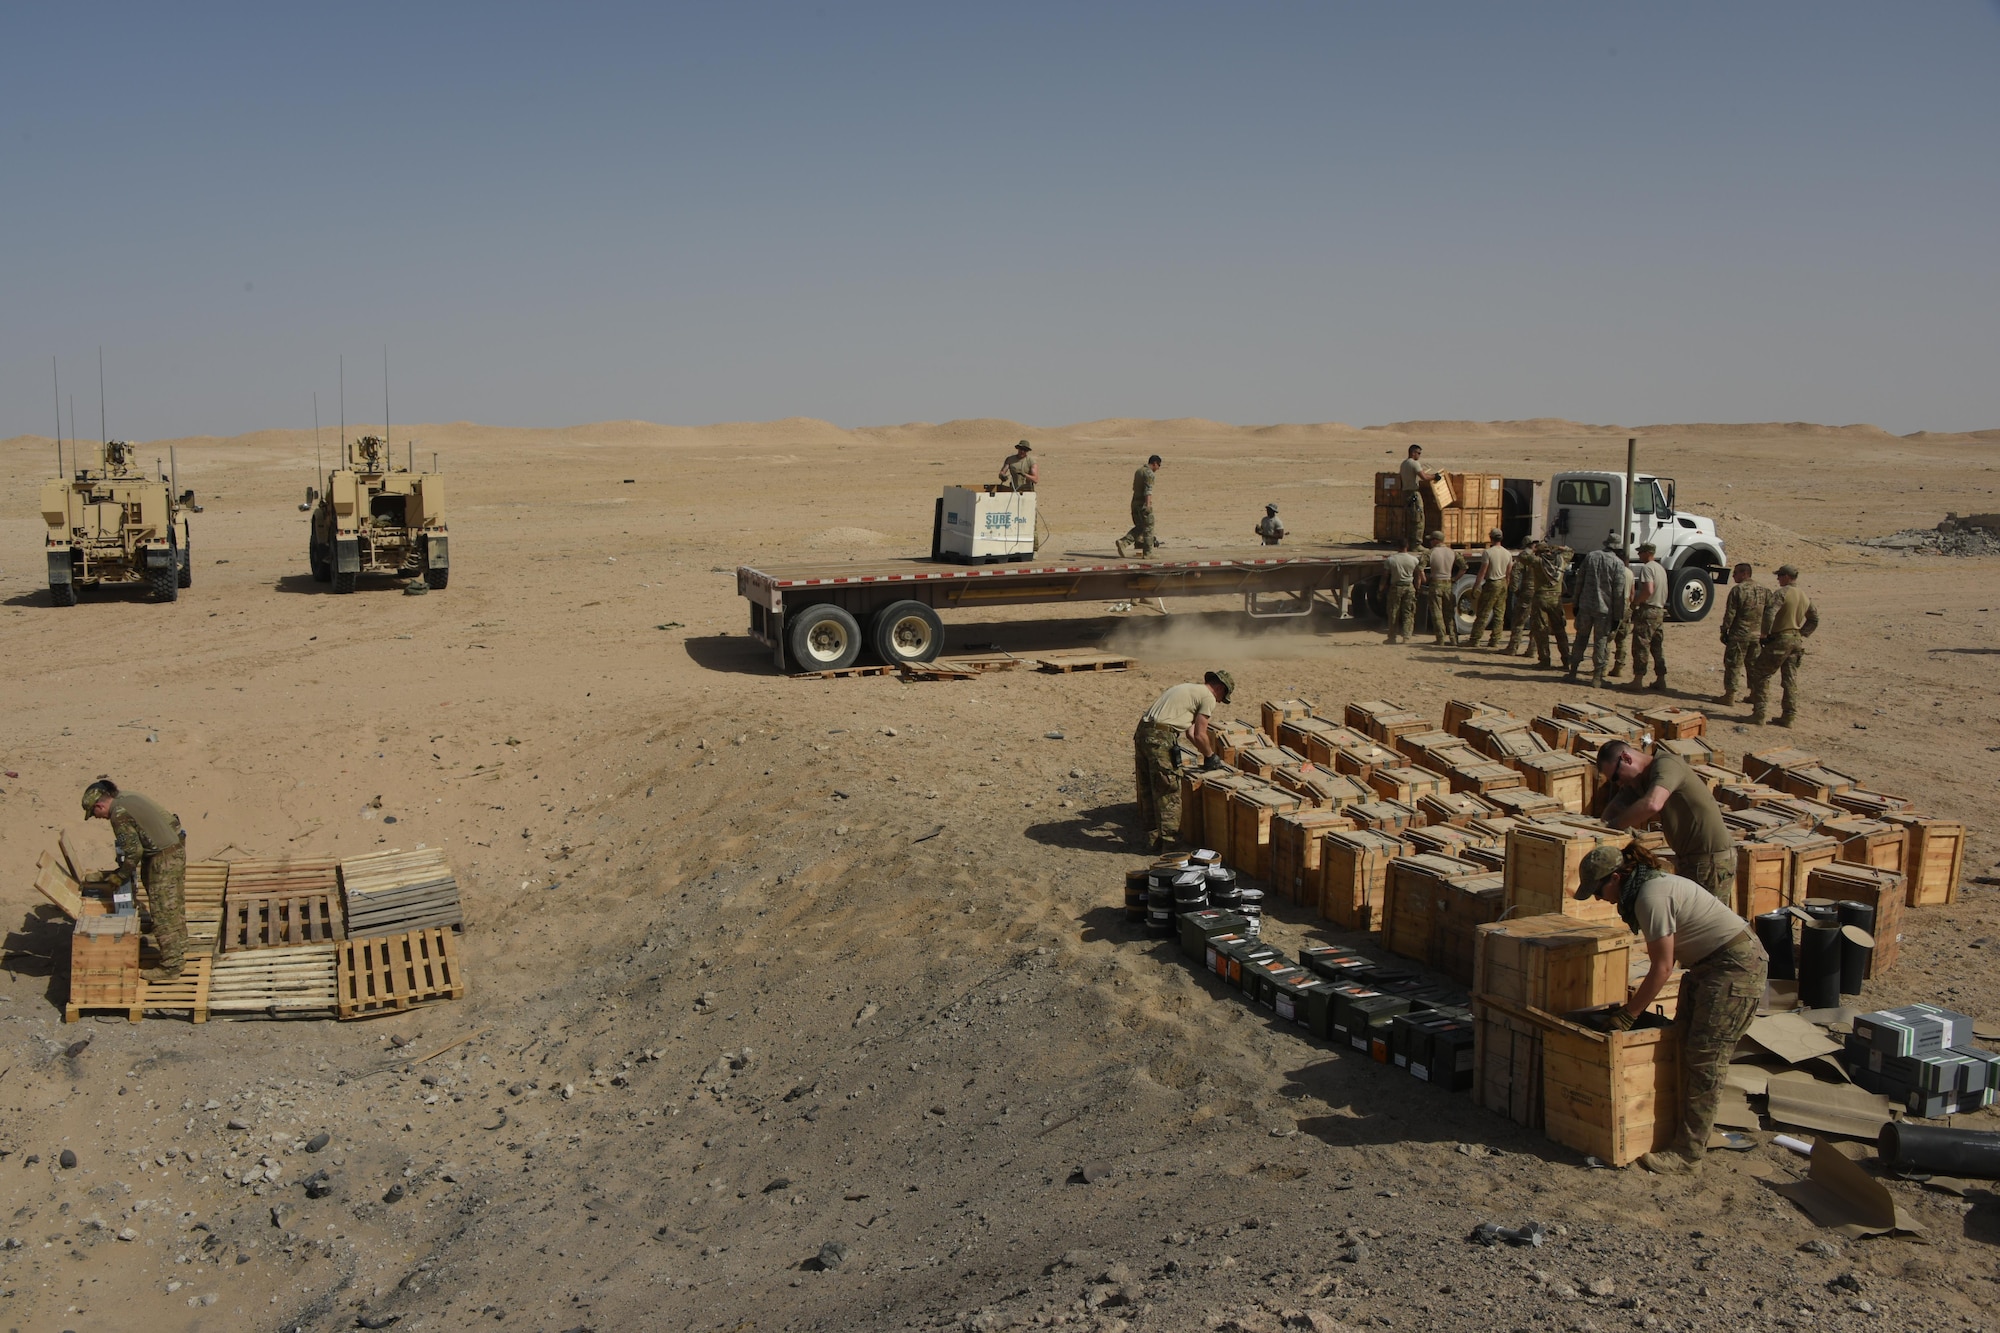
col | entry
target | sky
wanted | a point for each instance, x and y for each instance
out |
(880, 213)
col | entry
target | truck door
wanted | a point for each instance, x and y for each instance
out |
(1586, 509)
(1653, 516)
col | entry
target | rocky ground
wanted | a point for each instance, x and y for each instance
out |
(812, 1005)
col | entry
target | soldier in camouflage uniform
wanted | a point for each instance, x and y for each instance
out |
(1399, 584)
(1742, 629)
(1545, 611)
(1682, 922)
(152, 850)
(1649, 621)
(1143, 537)
(1621, 633)
(1790, 618)
(1518, 601)
(1183, 711)
(1489, 595)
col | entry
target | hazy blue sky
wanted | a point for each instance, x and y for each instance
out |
(879, 213)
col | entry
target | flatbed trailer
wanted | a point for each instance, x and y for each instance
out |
(825, 617)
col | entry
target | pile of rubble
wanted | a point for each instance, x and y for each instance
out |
(1974, 534)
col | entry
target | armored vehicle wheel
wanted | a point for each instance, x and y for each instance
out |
(905, 632)
(823, 638)
(345, 582)
(437, 578)
(1689, 594)
(165, 582)
(186, 575)
(62, 594)
(322, 564)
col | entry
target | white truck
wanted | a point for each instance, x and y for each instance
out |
(1585, 507)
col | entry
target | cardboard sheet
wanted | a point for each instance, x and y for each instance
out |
(1839, 1195)
(1734, 1110)
(1797, 1098)
(1791, 1038)
(1749, 1074)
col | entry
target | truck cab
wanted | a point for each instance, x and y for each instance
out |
(1585, 507)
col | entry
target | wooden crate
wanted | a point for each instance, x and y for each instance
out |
(1885, 890)
(1250, 813)
(1453, 807)
(1458, 712)
(1563, 776)
(1495, 827)
(1192, 825)
(1872, 804)
(1324, 789)
(1360, 761)
(1507, 1062)
(1502, 738)
(1323, 745)
(1560, 733)
(1579, 710)
(54, 882)
(104, 965)
(1808, 851)
(1484, 777)
(1261, 761)
(392, 891)
(1520, 803)
(1558, 964)
(1756, 820)
(1407, 784)
(1815, 782)
(1763, 878)
(288, 980)
(1690, 750)
(1611, 1095)
(1443, 839)
(1715, 775)
(1742, 795)
(1760, 765)
(1295, 852)
(1277, 711)
(1935, 859)
(1871, 842)
(272, 920)
(1414, 745)
(1232, 735)
(1674, 723)
(1354, 871)
(1543, 865)
(1385, 816)
(393, 972)
(1216, 789)
(187, 991)
(1433, 907)
(1296, 733)
(1361, 714)
(1387, 728)
(1802, 811)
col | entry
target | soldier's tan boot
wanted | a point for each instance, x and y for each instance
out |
(1660, 684)
(1756, 719)
(1120, 544)
(1784, 720)
(1667, 1162)
(1725, 699)
(159, 974)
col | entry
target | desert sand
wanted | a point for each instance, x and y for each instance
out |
(733, 1003)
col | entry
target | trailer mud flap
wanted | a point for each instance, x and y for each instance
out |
(347, 555)
(59, 566)
(159, 557)
(437, 553)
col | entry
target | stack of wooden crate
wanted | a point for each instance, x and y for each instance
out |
(1464, 506)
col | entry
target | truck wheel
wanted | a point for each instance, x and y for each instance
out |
(437, 578)
(62, 594)
(1689, 594)
(185, 575)
(1462, 602)
(322, 564)
(823, 638)
(344, 582)
(906, 632)
(166, 582)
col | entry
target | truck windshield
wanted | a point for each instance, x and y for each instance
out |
(1581, 491)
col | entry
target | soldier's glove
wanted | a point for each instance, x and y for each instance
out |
(1210, 764)
(1620, 1020)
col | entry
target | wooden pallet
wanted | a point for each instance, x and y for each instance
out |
(984, 662)
(188, 991)
(300, 977)
(273, 920)
(392, 891)
(203, 890)
(844, 671)
(391, 972)
(938, 670)
(1068, 660)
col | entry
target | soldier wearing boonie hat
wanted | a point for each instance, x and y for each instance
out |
(1271, 528)
(1726, 974)
(1182, 711)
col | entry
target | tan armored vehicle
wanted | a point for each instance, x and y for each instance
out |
(377, 518)
(113, 522)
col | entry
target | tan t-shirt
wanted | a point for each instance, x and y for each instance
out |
(1412, 474)
(1700, 924)
(1181, 705)
(1653, 572)
(1499, 560)
(1691, 819)
(1790, 609)
(1442, 560)
(1403, 570)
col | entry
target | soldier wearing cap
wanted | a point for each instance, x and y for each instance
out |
(1682, 923)
(1183, 711)
(152, 850)
(1649, 620)
(1742, 628)
(1143, 537)
(1017, 470)
(1441, 570)
(1399, 585)
(1489, 595)
(1271, 528)
(1645, 788)
(1790, 618)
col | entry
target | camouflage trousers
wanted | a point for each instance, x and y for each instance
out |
(1739, 659)
(164, 875)
(1649, 640)
(1413, 510)
(1715, 872)
(1545, 623)
(1781, 656)
(1520, 608)
(1489, 608)
(1143, 537)
(1402, 610)
(1444, 611)
(1159, 783)
(1719, 998)
(1592, 632)
(1621, 634)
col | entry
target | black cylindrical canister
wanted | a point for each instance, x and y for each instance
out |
(1823, 911)
(1774, 931)
(1857, 947)
(1819, 967)
(1251, 904)
(1948, 1152)
(1135, 895)
(1857, 914)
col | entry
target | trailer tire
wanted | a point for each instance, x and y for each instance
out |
(344, 582)
(62, 594)
(905, 632)
(185, 575)
(823, 638)
(1690, 594)
(165, 581)
(438, 579)
(321, 561)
